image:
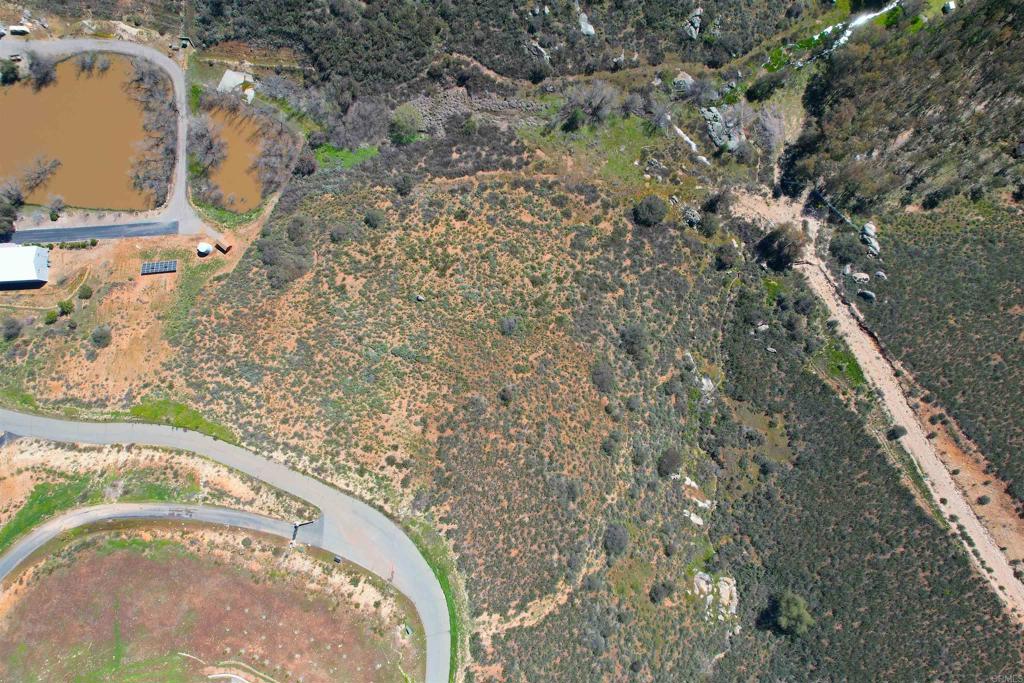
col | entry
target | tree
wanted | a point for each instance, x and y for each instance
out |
(650, 211)
(8, 72)
(590, 103)
(783, 246)
(765, 87)
(406, 124)
(42, 70)
(792, 616)
(669, 462)
(39, 172)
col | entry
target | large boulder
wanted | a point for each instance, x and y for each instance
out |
(692, 26)
(722, 131)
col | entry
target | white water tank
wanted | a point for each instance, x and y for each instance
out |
(204, 249)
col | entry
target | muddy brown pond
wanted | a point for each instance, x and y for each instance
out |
(86, 121)
(235, 176)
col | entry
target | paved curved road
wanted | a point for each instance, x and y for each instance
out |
(177, 208)
(52, 528)
(347, 527)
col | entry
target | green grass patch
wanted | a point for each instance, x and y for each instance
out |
(225, 217)
(164, 411)
(330, 156)
(608, 149)
(840, 363)
(46, 500)
(195, 91)
(435, 553)
(18, 398)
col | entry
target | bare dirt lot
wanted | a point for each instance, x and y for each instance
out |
(170, 604)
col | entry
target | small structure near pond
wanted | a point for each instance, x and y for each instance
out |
(238, 81)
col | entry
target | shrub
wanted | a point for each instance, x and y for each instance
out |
(669, 462)
(984, 500)
(616, 538)
(603, 376)
(783, 246)
(507, 394)
(8, 72)
(66, 307)
(85, 292)
(50, 317)
(896, 432)
(406, 123)
(845, 248)
(508, 325)
(660, 591)
(725, 257)
(650, 211)
(101, 336)
(709, 225)
(404, 184)
(636, 342)
(374, 218)
(306, 163)
(10, 328)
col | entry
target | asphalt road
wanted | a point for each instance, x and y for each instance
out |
(178, 207)
(348, 527)
(52, 528)
(100, 232)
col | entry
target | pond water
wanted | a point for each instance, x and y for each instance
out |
(234, 176)
(87, 122)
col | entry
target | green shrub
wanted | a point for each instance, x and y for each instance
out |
(85, 292)
(66, 307)
(650, 211)
(101, 336)
(406, 123)
(50, 317)
(374, 218)
(669, 462)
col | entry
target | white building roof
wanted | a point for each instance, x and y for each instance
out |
(24, 264)
(232, 80)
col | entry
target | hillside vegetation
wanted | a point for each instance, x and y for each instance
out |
(956, 272)
(916, 112)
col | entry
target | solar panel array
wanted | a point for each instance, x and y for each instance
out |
(155, 267)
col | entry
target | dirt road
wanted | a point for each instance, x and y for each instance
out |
(881, 373)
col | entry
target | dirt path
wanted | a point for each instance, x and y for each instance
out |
(880, 371)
